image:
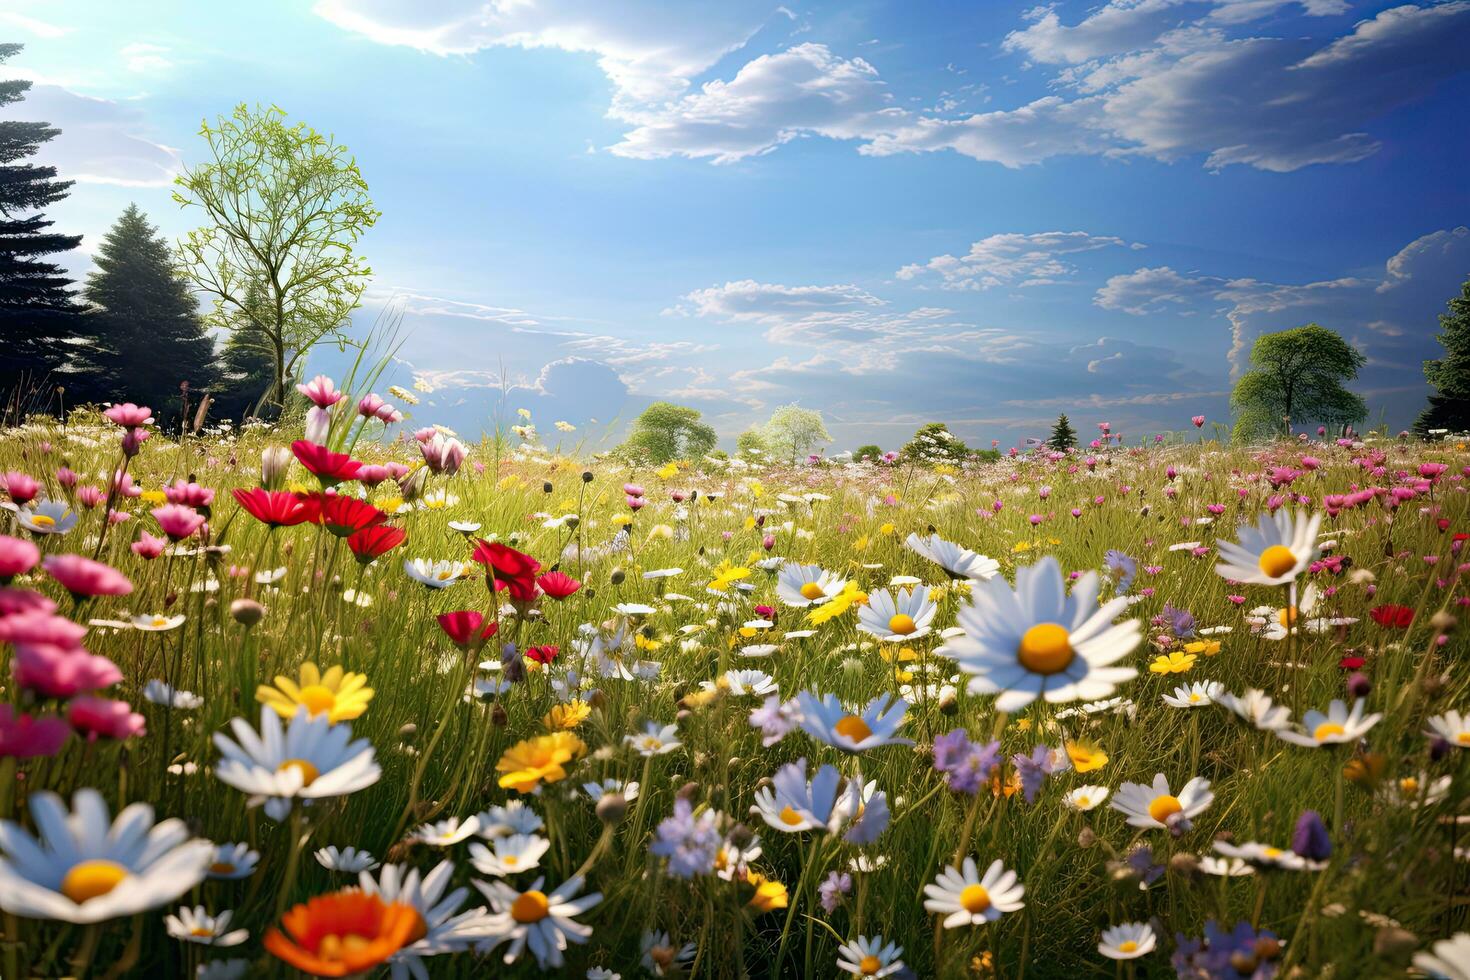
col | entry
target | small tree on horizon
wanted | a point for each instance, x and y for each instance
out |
(870, 451)
(150, 338)
(1063, 436)
(793, 431)
(1449, 406)
(1297, 376)
(934, 443)
(666, 432)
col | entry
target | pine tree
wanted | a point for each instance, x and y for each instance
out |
(1449, 407)
(1063, 436)
(248, 367)
(151, 339)
(40, 322)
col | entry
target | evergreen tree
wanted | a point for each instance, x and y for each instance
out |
(247, 368)
(1449, 406)
(934, 443)
(1063, 436)
(150, 336)
(40, 322)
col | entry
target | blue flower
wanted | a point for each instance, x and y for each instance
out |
(690, 844)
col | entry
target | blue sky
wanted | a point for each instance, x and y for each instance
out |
(984, 213)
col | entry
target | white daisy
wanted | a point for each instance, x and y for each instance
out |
(1085, 798)
(1272, 552)
(1448, 958)
(443, 928)
(435, 574)
(898, 618)
(196, 925)
(1267, 855)
(597, 791)
(1157, 807)
(1225, 867)
(1195, 695)
(829, 721)
(791, 804)
(349, 860)
(866, 957)
(1416, 791)
(512, 855)
(1128, 941)
(661, 956)
(446, 833)
(515, 817)
(965, 898)
(799, 586)
(1337, 726)
(233, 861)
(747, 683)
(654, 740)
(957, 562)
(83, 867)
(544, 921)
(1255, 707)
(1039, 641)
(1451, 726)
(157, 623)
(309, 759)
(157, 692)
(47, 517)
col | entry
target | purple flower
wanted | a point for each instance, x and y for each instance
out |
(1181, 621)
(776, 719)
(872, 821)
(1034, 768)
(833, 889)
(1310, 839)
(1240, 954)
(690, 845)
(966, 766)
(1121, 568)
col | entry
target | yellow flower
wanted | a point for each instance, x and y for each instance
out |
(524, 413)
(861, 543)
(703, 696)
(1207, 647)
(840, 603)
(645, 643)
(902, 655)
(565, 427)
(726, 574)
(1086, 758)
(1020, 547)
(153, 496)
(341, 695)
(1172, 663)
(528, 764)
(668, 471)
(567, 716)
(769, 895)
(887, 529)
(1023, 724)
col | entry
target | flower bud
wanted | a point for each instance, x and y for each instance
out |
(247, 612)
(611, 807)
(617, 576)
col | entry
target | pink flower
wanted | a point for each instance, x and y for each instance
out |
(147, 546)
(123, 483)
(1432, 471)
(129, 416)
(17, 556)
(443, 455)
(1198, 420)
(368, 405)
(1310, 462)
(388, 415)
(102, 718)
(15, 601)
(66, 477)
(425, 434)
(61, 672)
(25, 737)
(188, 494)
(21, 486)
(372, 474)
(632, 489)
(321, 391)
(396, 471)
(85, 577)
(635, 503)
(26, 622)
(318, 425)
(177, 521)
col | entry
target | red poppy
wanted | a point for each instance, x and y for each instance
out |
(1393, 617)
(278, 508)
(375, 541)
(542, 654)
(343, 515)
(558, 585)
(467, 629)
(1351, 662)
(509, 569)
(328, 467)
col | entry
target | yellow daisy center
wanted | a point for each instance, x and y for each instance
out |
(1277, 560)
(869, 965)
(975, 899)
(201, 931)
(903, 624)
(1287, 616)
(317, 699)
(510, 860)
(1409, 786)
(1194, 696)
(335, 947)
(92, 879)
(1463, 738)
(308, 771)
(1164, 807)
(41, 520)
(530, 907)
(1128, 946)
(1271, 852)
(854, 728)
(1083, 801)
(445, 575)
(1327, 729)
(160, 621)
(790, 817)
(812, 591)
(1046, 648)
(222, 868)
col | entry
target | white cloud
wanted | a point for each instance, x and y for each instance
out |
(1012, 260)
(144, 58)
(101, 141)
(40, 28)
(1435, 249)
(762, 302)
(772, 100)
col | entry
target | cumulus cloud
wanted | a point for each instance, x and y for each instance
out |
(101, 141)
(1013, 260)
(747, 299)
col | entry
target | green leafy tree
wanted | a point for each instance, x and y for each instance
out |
(869, 452)
(285, 206)
(934, 443)
(666, 432)
(751, 443)
(1449, 406)
(150, 337)
(1063, 436)
(40, 321)
(793, 431)
(1297, 376)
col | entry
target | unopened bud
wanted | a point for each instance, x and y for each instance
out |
(616, 576)
(611, 807)
(586, 476)
(498, 717)
(247, 612)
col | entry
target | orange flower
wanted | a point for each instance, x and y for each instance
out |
(343, 933)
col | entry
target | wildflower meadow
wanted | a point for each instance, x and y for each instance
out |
(347, 696)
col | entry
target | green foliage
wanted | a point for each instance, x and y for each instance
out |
(792, 432)
(1449, 406)
(247, 368)
(39, 319)
(1297, 377)
(666, 432)
(150, 338)
(869, 452)
(934, 443)
(751, 443)
(1063, 436)
(285, 207)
